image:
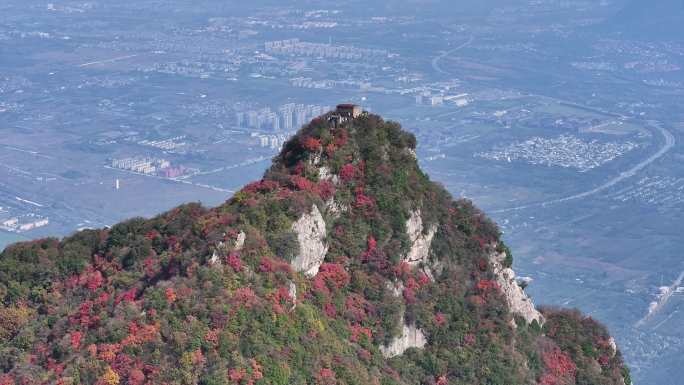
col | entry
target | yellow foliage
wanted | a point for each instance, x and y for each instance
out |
(12, 319)
(110, 377)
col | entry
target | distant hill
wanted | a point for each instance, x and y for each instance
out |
(657, 19)
(344, 265)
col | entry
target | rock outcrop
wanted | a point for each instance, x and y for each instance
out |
(411, 337)
(324, 173)
(221, 248)
(311, 233)
(419, 252)
(518, 301)
(420, 242)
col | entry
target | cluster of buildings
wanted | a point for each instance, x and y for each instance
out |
(564, 151)
(26, 223)
(426, 98)
(286, 118)
(327, 84)
(149, 166)
(274, 142)
(301, 48)
(658, 190)
(167, 144)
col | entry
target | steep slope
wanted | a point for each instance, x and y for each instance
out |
(343, 265)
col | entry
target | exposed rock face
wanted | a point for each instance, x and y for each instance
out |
(324, 173)
(310, 230)
(292, 292)
(613, 346)
(334, 209)
(215, 260)
(420, 242)
(315, 159)
(237, 246)
(396, 288)
(240, 241)
(518, 301)
(411, 337)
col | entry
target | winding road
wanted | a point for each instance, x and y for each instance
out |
(436, 60)
(669, 144)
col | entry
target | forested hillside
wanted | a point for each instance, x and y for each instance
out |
(345, 264)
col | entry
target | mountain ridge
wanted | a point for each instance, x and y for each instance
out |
(345, 264)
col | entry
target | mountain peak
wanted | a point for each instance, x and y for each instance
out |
(345, 264)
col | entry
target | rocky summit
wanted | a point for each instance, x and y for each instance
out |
(345, 264)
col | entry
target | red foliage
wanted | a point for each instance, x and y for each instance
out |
(256, 370)
(311, 144)
(136, 377)
(481, 241)
(139, 334)
(266, 265)
(326, 377)
(263, 186)
(212, 337)
(486, 285)
(402, 270)
(442, 380)
(330, 310)
(409, 295)
(76, 339)
(236, 375)
(240, 376)
(151, 266)
(303, 184)
(233, 260)
(348, 172)
(326, 189)
(108, 352)
(55, 366)
(358, 331)
(94, 280)
(356, 307)
(469, 339)
(102, 299)
(362, 201)
(560, 369)
(374, 256)
(281, 298)
(333, 274)
(372, 243)
(127, 296)
(299, 168)
(170, 295)
(270, 265)
(439, 319)
(245, 296)
(423, 279)
(320, 287)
